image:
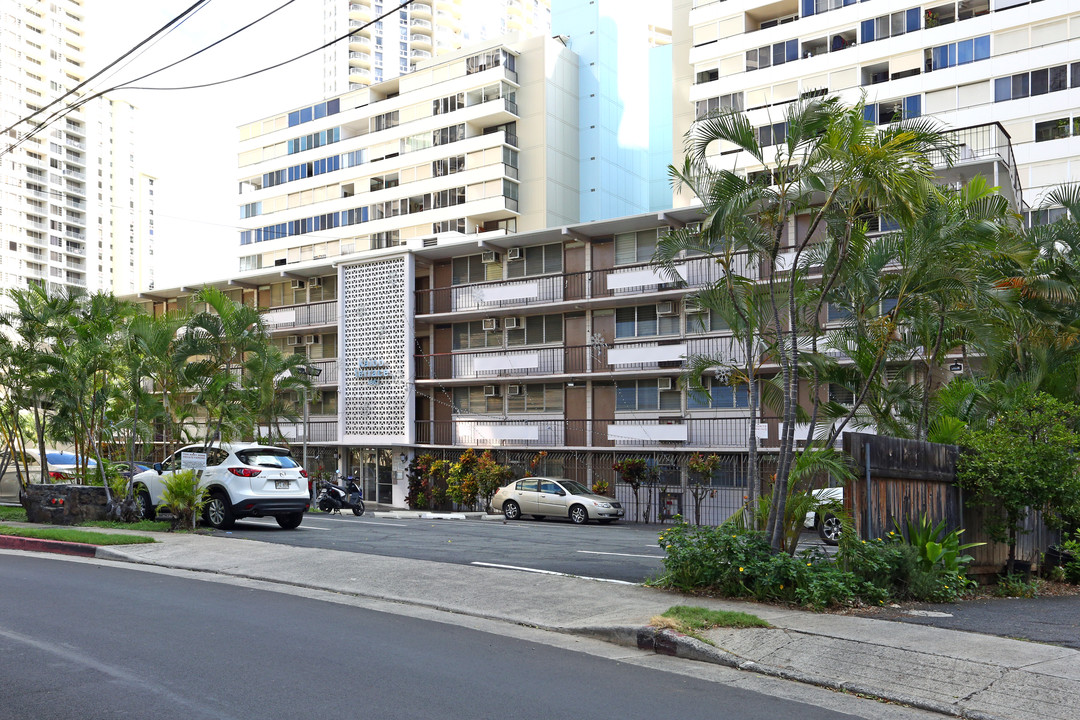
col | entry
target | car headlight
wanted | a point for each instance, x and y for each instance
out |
(602, 505)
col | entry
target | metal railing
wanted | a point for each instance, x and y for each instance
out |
(589, 284)
(987, 142)
(701, 433)
(318, 430)
(298, 316)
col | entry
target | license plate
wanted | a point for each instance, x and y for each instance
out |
(281, 484)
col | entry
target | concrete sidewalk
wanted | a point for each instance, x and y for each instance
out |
(956, 673)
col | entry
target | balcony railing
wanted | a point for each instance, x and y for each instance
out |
(297, 316)
(318, 430)
(668, 352)
(705, 433)
(983, 143)
(329, 374)
(625, 280)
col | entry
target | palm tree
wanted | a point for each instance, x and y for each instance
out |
(835, 169)
(270, 377)
(215, 343)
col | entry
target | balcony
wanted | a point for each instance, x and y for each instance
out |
(75, 250)
(421, 25)
(75, 234)
(420, 42)
(982, 150)
(72, 142)
(72, 172)
(658, 355)
(300, 316)
(629, 280)
(360, 59)
(420, 10)
(419, 54)
(699, 433)
(320, 430)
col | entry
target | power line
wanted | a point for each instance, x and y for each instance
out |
(277, 65)
(78, 87)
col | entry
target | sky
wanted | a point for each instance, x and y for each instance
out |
(188, 138)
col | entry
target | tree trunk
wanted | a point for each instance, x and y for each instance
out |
(42, 460)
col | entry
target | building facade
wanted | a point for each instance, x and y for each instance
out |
(418, 32)
(70, 208)
(963, 62)
(478, 143)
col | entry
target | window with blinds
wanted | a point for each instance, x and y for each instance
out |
(537, 260)
(636, 247)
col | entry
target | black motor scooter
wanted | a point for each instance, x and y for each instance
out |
(332, 498)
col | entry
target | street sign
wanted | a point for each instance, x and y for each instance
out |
(193, 460)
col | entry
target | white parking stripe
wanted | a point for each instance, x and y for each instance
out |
(263, 521)
(597, 552)
(550, 572)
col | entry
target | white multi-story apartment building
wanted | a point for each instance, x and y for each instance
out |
(69, 201)
(1009, 66)
(478, 142)
(420, 31)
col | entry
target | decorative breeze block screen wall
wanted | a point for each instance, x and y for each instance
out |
(374, 319)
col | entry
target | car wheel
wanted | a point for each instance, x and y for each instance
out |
(290, 521)
(146, 505)
(511, 511)
(579, 515)
(829, 529)
(538, 517)
(218, 512)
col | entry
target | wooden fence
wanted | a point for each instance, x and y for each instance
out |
(900, 479)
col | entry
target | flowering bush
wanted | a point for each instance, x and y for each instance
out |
(490, 476)
(601, 487)
(461, 483)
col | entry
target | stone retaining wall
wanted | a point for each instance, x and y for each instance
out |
(64, 504)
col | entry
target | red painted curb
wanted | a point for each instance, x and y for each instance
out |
(12, 542)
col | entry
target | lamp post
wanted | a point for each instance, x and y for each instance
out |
(313, 372)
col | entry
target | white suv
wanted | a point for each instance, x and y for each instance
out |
(243, 480)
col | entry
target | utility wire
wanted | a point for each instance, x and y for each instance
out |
(78, 87)
(351, 32)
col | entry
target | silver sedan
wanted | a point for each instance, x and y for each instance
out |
(555, 497)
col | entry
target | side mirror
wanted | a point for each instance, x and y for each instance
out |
(561, 493)
(157, 468)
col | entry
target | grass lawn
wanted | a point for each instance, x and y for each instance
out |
(12, 514)
(74, 535)
(152, 525)
(691, 620)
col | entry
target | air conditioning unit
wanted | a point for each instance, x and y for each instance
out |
(312, 339)
(491, 324)
(666, 308)
(297, 284)
(664, 383)
(513, 389)
(294, 340)
(514, 254)
(489, 256)
(513, 323)
(315, 282)
(491, 391)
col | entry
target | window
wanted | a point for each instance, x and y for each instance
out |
(646, 395)
(473, 400)
(733, 101)
(705, 76)
(471, 269)
(642, 321)
(472, 336)
(536, 398)
(1052, 130)
(384, 121)
(772, 134)
(636, 247)
(718, 396)
(538, 330)
(891, 111)
(777, 54)
(448, 166)
(537, 260)
(446, 135)
(382, 182)
(886, 26)
(837, 313)
(959, 53)
(704, 321)
(448, 104)
(1036, 82)
(840, 394)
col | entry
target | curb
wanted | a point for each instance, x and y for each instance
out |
(59, 547)
(671, 643)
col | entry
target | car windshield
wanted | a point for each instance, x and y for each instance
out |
(575, 488)
(267, 457)
(62, 458)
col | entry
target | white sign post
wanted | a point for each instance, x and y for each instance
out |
(192, 461)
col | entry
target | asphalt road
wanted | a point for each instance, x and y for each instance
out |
(625, 552)
(86, 640)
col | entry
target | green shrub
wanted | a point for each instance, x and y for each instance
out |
(184, 498)
(1018, 586)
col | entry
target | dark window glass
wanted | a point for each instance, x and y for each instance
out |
(1003, 89)
(913, 20)
(1052, 130)
(1040, 82)
(982, 47)
(965, 52)
(1075, 73)
(1020, 86)
(867, 31)
(1059, 78)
